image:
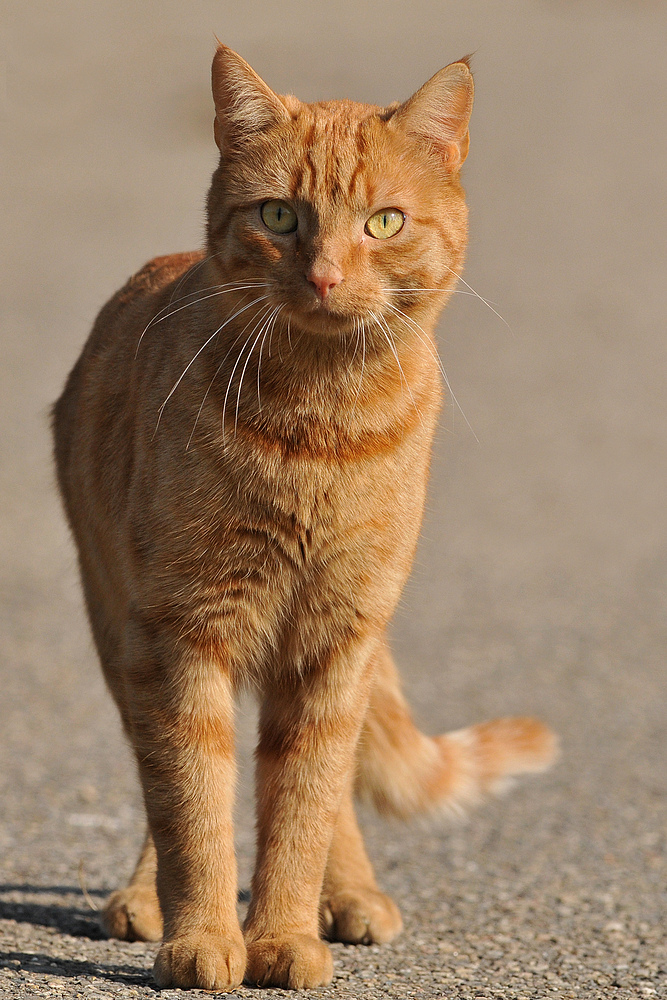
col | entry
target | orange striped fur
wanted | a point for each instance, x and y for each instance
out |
(243, 450)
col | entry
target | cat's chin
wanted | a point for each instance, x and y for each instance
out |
(324, 322)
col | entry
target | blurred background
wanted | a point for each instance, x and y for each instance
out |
(541, 579)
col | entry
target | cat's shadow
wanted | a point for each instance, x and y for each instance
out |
(78, 921)
(70, 968)
(75, 920)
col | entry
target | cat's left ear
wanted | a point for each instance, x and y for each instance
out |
(244, 104)
(439, 113)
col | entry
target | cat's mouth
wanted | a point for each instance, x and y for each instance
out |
(325, 318)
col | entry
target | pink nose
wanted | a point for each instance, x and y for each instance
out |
(324, 281)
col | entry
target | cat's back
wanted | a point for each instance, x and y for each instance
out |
(92, 409)
(118, 319)
(150, 281)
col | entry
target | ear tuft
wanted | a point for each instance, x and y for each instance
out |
(244, 104)
(438, 114)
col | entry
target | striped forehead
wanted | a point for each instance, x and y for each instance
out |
(330, 172)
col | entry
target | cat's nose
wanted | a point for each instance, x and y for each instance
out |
(324, 280)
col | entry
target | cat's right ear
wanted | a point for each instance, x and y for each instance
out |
(244, 105)
(438, 114)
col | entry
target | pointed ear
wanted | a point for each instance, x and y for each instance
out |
(244, 105)
(439, 113)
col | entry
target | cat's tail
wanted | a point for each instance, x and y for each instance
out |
(405, 773)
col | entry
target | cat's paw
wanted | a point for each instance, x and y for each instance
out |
(201, 961)
(360, 916)
(133, 914)
(293, 962)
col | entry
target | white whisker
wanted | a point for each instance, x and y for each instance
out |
(263, 329)
(187, 274)
(269, 331)
(236, 364)
(450, 291)
(385, 329)
(436, 357)
(357, 341)
(459, 291)
(193, 359)
(363, 362)
(481, 298)
(226, 286)
(221, 290)
(219, 369)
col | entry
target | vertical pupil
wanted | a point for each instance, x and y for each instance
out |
(385, 218)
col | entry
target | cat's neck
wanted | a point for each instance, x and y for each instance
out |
(303, 389)
(264, 370)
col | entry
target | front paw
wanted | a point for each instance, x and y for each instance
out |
(360, 916)
(201, 961)
(133, 914)
(294, 962)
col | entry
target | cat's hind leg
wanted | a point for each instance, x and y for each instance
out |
(352, 908)
(133, 913)
(404, 772)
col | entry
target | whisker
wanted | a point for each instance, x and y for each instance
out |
(172, 300)
(193, 359)
(363, 348)
(219, 369)
(383, 326)
(259, 367)
(355, 331)
(450, 291)
(481, 298)
(221, 290)
(263, 329)
(436, 357)
(236, 364)
(362, 325)
(269, 331)
(289, 338)
(188, 274)
(225, 285)
(296, 343)
(270, 342)
(459, 291)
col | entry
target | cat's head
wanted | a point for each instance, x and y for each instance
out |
(340, 208)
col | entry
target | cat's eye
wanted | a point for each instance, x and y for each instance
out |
(385, 223)
(278, 216)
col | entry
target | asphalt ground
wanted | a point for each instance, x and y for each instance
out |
(541, 580)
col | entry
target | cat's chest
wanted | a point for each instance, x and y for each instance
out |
(265, 512)
(325, 544)
(318, 488)
(258, 535)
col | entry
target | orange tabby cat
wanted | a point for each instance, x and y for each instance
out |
(243, 450)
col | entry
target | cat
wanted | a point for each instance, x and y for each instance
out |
(243, 449)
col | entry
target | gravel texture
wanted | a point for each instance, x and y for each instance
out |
(541, 582)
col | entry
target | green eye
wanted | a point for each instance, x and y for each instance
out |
(385, 223)
(278, 216)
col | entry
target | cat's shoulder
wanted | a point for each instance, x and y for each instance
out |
(139, 299)
(158, 273)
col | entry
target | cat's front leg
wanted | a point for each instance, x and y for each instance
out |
(181, 721)
(308, 732)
